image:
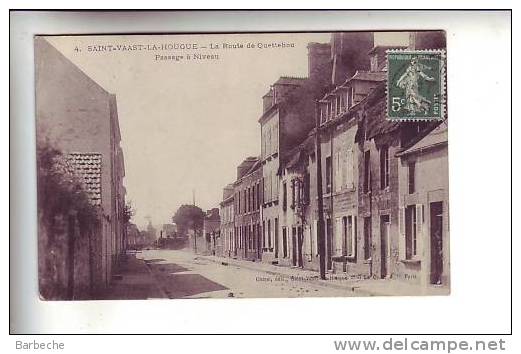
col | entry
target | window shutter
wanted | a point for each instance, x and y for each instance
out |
(344, 169)
(338, 237)
(419, 230)
(401, 236)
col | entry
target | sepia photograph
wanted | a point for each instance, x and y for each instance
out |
(242, 165)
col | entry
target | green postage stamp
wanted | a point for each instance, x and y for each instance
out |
(415, 84)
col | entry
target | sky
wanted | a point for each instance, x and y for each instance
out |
(187, 124)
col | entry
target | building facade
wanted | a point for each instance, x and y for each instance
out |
(227, 215)
(423, 207)
(79, 118)
(247, 241)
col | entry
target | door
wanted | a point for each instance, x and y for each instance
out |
(384, 246)
(259, 242)
(276, 238)
(436, 235)
(284, 242)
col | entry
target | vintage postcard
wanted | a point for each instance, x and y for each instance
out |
(242, 165)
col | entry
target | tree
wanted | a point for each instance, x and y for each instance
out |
(188, 217)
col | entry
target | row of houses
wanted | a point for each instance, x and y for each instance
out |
(384, 183)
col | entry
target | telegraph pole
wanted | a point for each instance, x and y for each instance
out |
(320, 223)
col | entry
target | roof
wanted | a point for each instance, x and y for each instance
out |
(290, 80)
(367, 76)
(360, 75)
(87, 167)
(437, 137)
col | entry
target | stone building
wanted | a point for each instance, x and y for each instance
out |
(423, 207)
(247, 241)
(79, 118)
(287, 119)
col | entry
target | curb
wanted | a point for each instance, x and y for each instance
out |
(320, 282)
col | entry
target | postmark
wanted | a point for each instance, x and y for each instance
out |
(416, 85)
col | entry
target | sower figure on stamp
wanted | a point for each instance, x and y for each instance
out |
(409, 82)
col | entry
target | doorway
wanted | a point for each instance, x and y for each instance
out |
(436, 235)
(385, 226)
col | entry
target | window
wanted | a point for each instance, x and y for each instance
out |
(284, 196)
(411, 243)
(367, 171)
(412, 177)
(367, 237)
(239, 202)
(328, 174)
(384, 167)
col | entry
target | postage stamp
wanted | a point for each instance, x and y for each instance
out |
(415, 84)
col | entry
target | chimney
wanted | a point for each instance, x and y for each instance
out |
(349, 54)
(267, 100)
(319, 59)
(427, 40)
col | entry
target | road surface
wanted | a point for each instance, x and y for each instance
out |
(181, 274)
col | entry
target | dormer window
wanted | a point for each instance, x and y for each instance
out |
(342, 99)
(374, 62)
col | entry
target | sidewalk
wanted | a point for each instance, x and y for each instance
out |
(132, 280)
(362, 287)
